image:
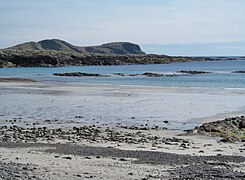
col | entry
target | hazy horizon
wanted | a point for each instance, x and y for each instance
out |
(173, 27)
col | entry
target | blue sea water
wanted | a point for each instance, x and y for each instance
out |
(221, 76)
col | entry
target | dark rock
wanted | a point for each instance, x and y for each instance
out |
(119, 74)
(149, 74)
(79, 74)
(67, 157)
(122, 159)
(238, 72)
(242, 124)
(193, 72)
(79, 117)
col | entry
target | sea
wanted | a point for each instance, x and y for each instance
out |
(225, 95)
(221, 74)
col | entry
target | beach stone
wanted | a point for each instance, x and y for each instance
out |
(123, 159)
(67, 157)
(242, 124)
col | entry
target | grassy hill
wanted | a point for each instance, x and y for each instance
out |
(55, 52)
(115, 48)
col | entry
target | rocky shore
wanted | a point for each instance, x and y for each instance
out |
(52, 58)
(166, 165)
(123, 134)
(13, 58)
(114, 144)
(230, 129)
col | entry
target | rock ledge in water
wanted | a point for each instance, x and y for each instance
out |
(79, 74)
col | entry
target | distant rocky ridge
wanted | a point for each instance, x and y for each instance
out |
(118, 48)
(54, 52)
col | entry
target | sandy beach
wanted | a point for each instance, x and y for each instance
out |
(122, 90)
(134, 154)
(138, 132)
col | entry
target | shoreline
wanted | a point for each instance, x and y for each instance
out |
(11, 80)
(117, 94)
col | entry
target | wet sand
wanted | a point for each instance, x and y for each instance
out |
(183, 108)
(16, 80)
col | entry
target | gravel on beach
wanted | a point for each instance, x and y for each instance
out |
(186, 166)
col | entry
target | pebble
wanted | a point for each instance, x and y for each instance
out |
(67, 157)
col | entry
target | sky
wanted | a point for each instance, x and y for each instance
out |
(173, 27)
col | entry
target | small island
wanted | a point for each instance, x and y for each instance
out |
(55, 52)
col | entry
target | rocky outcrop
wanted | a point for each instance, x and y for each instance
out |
(6, 64)
(60, 58)
(230, 129)
(79, 74)
(149, 74)
(46, 58)
(193, 72)
(238, 72)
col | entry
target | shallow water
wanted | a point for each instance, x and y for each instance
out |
(221, 76)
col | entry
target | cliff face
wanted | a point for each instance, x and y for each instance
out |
(115, 48)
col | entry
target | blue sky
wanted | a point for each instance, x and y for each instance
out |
(174, 27)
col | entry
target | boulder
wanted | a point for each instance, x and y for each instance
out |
(242, 124)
